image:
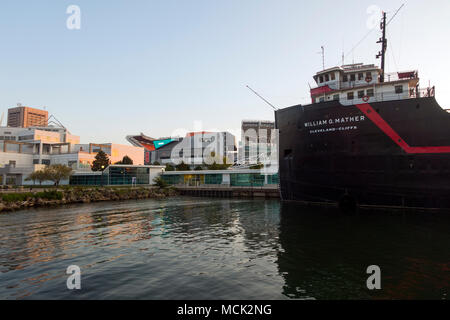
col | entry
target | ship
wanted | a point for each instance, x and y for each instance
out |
(368, 138)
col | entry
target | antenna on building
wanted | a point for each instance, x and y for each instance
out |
(262, 98)
(323, 56)
(383, 41)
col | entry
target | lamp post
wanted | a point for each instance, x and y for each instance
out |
(103, 169)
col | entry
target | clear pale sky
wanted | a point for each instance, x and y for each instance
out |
(159, 66)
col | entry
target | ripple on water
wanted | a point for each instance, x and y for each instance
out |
(185, 248)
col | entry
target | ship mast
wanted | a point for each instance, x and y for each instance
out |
(383, 42)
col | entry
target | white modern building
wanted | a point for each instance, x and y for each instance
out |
(25, 150)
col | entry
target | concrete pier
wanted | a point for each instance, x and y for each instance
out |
(230, 192)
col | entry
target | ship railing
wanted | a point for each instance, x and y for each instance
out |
(384, 96)
(422, 92)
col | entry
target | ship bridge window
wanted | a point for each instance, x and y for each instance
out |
(360, 76)
(321, 79)
(333, 76)
(352, 77)
(398, 89)
(336, 97)
(370, 93)
(327, 77)
(345, 78)
(360, 94)
(350, 95)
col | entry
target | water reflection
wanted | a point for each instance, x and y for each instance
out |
(194, 248)
(325, 254)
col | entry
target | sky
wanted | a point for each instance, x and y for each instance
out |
(164, 67)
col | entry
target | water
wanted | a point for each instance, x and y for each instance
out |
(197, 248)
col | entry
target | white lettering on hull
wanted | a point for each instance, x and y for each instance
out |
(343, 120)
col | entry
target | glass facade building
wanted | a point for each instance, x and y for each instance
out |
(114, 175)
(236, 179)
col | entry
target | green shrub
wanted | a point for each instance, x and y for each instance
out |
(49, 195)
(160, 182)
(14, 197)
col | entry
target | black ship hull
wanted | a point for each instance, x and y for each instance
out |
(391, 153)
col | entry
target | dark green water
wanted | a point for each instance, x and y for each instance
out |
(196, 248)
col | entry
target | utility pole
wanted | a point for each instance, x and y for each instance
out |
(383, 42)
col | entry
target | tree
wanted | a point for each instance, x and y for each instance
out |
(160, 182)
(219, 166)
(32, 177)
(40, 175)
(170, 167)
(58, 172)
(257, 166)
(216, 162)
(198, 168)
(183, 167)
(156, 163)
(101, 161)
(125, 160)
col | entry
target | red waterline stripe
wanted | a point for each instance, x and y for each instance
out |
(386, 128)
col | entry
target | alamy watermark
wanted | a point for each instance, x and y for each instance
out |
(257, 147)
(374, 281)
(74, 280)
(374, 19)
(73, 22)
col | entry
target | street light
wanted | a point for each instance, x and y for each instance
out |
(101, 182)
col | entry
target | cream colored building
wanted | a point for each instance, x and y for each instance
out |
(24, 150)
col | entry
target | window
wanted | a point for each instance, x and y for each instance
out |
(26, 138)
(322, 99)
(336, 97)
(360, 76)
(345, 79)
(327, 77)
(8, 138)
(352, 77)
(360, 94)
(72, 164)
(333, 76)
(12, 163)
(350, 95)
(369, 75)
(398, 89)
(321, 79)
(370, 93)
